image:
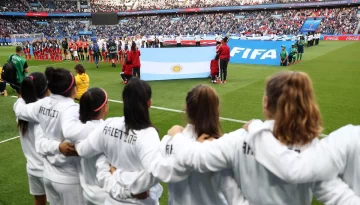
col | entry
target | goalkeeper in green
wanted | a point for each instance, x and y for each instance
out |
(293, 54)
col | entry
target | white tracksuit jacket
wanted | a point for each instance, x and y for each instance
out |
(258, 185)
(58, 116)
(184, 186)
(337, 154)
(126, 151)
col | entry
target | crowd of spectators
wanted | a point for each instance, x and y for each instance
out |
(13, 6)
(50, 27)
(280, 22)
(126, 5)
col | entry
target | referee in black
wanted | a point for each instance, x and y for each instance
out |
(65, 46)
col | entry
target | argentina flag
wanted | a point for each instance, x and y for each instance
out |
(176, 63)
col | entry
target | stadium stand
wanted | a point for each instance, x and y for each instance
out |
(14, 6)
(286, 22)
(126, 5)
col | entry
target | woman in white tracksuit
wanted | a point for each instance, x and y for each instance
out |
(93, 109)
(128, 142)
(336, 154)
(186, 187)
(58, 116)
(34, 87)
(293, 116)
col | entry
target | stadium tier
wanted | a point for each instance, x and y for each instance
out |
(281, 22)
(125, 5)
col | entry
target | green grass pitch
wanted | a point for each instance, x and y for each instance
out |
(333, 66)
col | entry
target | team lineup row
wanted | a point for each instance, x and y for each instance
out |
(122, 159)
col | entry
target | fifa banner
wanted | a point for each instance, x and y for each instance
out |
(310, 25)
(257, 52)
(176, 63)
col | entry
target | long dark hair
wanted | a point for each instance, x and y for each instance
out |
(136, 95)
(91, 102)
(60, 81)
(202, 109)
(32, 88)
(133, 46)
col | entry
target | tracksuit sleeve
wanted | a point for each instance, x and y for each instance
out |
(107, 181)
(157, 167)
(293, 167)
(92, 145)
(335, 192)
(231, 190)
(72, 127)
(209, 156)
(43, 145)
(27, 112)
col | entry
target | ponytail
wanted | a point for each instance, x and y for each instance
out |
(60, 81)
(32, 88)
(292, 104)
(91, 103)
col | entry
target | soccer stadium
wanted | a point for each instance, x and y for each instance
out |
(180, 102)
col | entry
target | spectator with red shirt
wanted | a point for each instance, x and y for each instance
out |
(224, 56)
(135, 59)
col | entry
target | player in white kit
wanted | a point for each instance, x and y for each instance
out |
(128, 142)
(57, 116)
(34, 87)
(292, 113)
(336, 155)
(186, 187)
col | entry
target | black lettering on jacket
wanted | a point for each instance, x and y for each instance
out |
(49, 112)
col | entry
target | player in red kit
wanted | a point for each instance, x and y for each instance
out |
(86, 48)
(79, 44)
(224, 56)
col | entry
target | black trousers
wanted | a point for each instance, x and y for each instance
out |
(2, 86)
(125, 77)
(223, 63)
(284, 63)
(197, 43)
(136, 72)
(161, 44)
(16, 86)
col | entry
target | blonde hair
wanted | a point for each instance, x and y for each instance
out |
(292, 104)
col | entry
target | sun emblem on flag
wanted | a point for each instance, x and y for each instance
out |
(176, 68)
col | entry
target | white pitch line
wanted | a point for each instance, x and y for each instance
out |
(9, 139)
(181, 111)
(172, 110)
(37, 66)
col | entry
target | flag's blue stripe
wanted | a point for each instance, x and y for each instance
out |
(151, 76)
(188, 55)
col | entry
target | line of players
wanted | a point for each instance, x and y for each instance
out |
(80, 49)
